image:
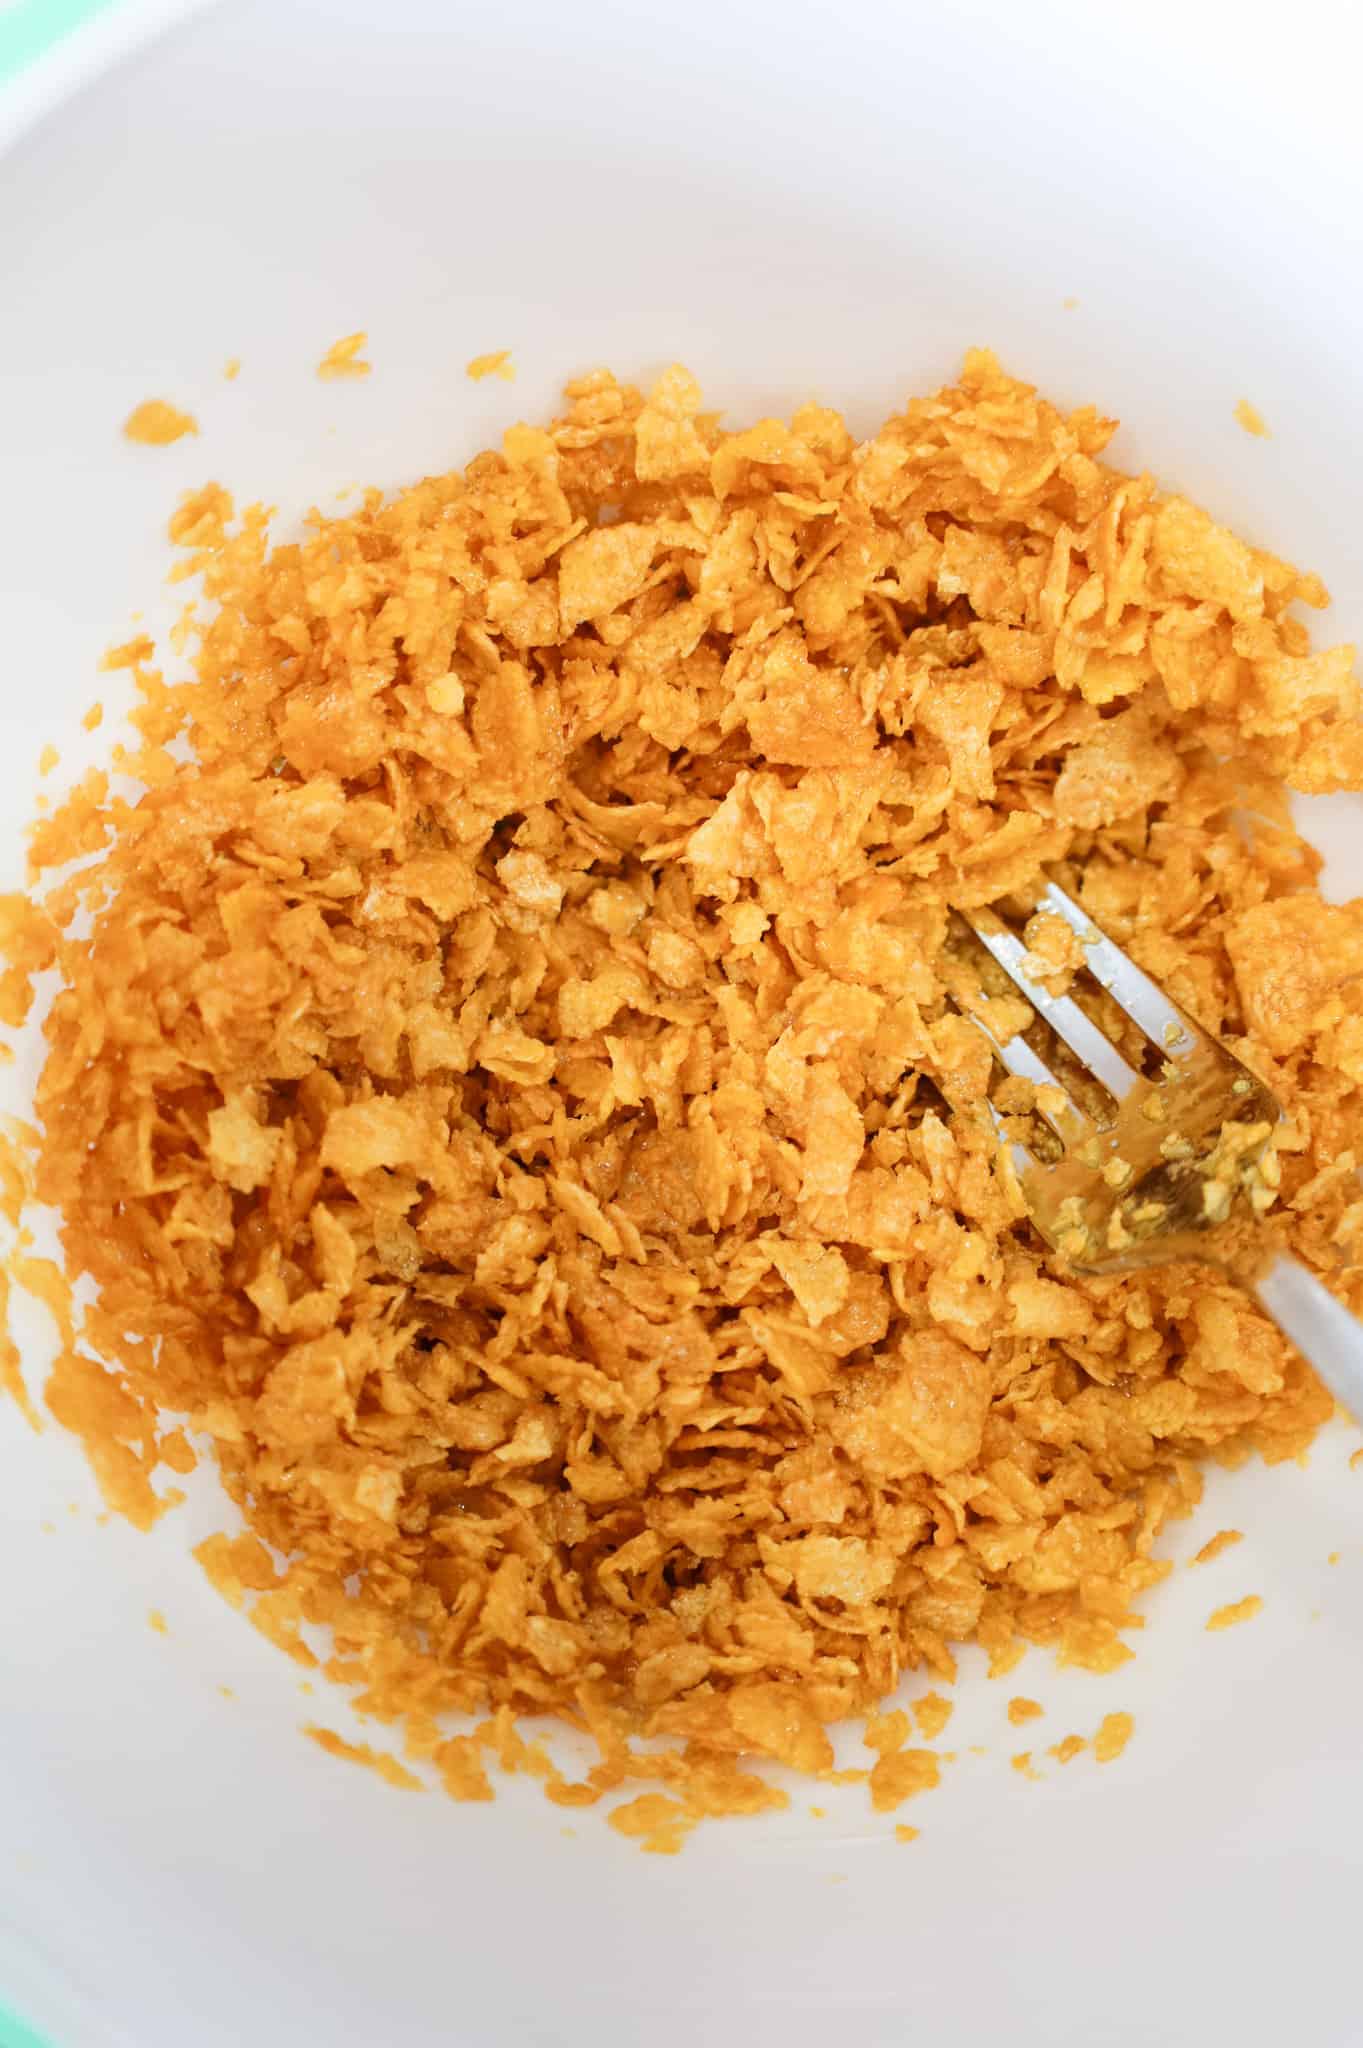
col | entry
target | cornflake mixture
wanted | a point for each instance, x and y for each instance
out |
(505, 1092)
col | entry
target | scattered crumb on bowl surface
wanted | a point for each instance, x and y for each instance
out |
(377, 1760)
(1114, 1732)
(495, 363)
(1251, 419)
(512, 1096)
(344, 358)
(1224, 1539)
(1235, 1611)
(932, 1713)
(901, 1775)
(155, 423)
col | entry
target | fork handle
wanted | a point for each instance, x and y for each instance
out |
(1328, 1336)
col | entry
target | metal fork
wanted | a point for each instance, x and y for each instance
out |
(1147, 1164)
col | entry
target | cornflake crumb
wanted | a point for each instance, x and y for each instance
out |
(48, 759)
(1251, 419)
(1224, 1539)
(231, 369)
(658, 1824)
(902, 1833)
(1355, 1460)
(932, 1713)
(1020, 1710)
(156, 1620)
(1069, 1747)
(94, 717)
(156, 424)
(129, 653)
(377, 1760)
(1333, 1558)
(1022, 1764)
(1114, 1732)
(1238, 1610)
(227, 1692)
(343, 358)
(901, 1775)
(497, 363)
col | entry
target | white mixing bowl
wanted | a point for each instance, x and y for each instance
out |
(797, 201)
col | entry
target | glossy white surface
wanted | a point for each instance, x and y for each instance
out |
(796, 201)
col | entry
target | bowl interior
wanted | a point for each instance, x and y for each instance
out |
(821, 203)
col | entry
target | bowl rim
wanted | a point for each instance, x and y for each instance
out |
(52, 49)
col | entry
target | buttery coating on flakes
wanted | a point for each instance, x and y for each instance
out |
(509, 1100)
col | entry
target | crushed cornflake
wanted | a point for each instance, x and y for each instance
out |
(902, 1833)
(505, 1091)
(377, 1760)
(344, 358)
(1251, 419)
(1235, 1611)
(1224, 1539)
(231, 369)
(1020, 1710)
(157, 1621)
(932, 1713)
(1114, 1732)
(902, 1774)
(156, 424)
(1069, 1747)
(496, 363)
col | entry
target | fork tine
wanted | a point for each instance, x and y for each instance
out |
(1131, 990)
(1023, 1162)
(1062, 1013)
(1069, 1123)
